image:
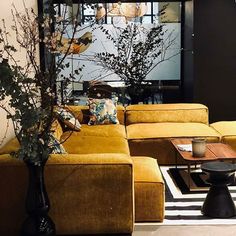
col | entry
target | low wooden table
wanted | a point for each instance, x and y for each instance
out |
(214, 151)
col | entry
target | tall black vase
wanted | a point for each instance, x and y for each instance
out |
(38, 223)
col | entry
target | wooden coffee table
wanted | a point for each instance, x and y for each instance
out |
(214, 151)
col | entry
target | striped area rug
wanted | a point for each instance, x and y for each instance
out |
(185, 208)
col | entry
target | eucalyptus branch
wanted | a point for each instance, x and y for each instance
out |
(8, 51)
(30, 88)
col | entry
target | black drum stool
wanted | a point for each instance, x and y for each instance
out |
(218, 202)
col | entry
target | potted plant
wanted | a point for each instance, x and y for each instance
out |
(28, 96)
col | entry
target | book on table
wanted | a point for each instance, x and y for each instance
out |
(185, 147)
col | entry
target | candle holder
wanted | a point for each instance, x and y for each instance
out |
(198, 147)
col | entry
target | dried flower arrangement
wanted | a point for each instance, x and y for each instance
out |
(31, 85)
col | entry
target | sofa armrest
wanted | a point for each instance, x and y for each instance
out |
(93, 158)
(88, 193)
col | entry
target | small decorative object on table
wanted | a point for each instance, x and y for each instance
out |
(185, 147)
(199, 147)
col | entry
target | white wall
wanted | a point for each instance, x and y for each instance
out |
(5, 13)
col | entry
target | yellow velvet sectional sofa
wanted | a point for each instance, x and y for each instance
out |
(97, 188)
(110, 177)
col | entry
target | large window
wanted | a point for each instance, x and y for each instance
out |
(98, 19)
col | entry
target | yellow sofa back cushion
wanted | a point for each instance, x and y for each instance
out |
(178, 112)
(82, 113)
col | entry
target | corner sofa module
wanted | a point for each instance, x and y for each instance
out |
(227, 131)
(150, 127)
(93, 189)
(89, 194)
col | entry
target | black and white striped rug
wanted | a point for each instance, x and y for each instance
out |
(185, 208)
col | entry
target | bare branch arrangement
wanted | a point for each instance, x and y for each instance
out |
(139, 51)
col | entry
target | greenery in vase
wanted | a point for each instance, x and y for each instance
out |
(27, 89)
(139, 51)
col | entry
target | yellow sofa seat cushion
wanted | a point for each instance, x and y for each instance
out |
(170, 130)
(149, 190)
(146, 169)
(112, 130)
(227, 130)
(177, 112)
(76, 144)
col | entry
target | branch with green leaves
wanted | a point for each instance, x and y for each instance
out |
(27, 91)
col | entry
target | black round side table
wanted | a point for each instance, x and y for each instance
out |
(218, 202)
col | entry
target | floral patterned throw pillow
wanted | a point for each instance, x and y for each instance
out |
(103, 111)
(68, 118)
(55, 145)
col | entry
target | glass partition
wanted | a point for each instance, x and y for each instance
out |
(97, 55)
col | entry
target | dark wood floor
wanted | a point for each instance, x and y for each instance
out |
(97, 235)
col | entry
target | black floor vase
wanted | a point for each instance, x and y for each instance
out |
(38, 223)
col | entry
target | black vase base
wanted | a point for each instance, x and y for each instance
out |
(38, 226)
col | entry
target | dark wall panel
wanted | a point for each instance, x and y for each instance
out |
(215, 57)
(187, 59)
